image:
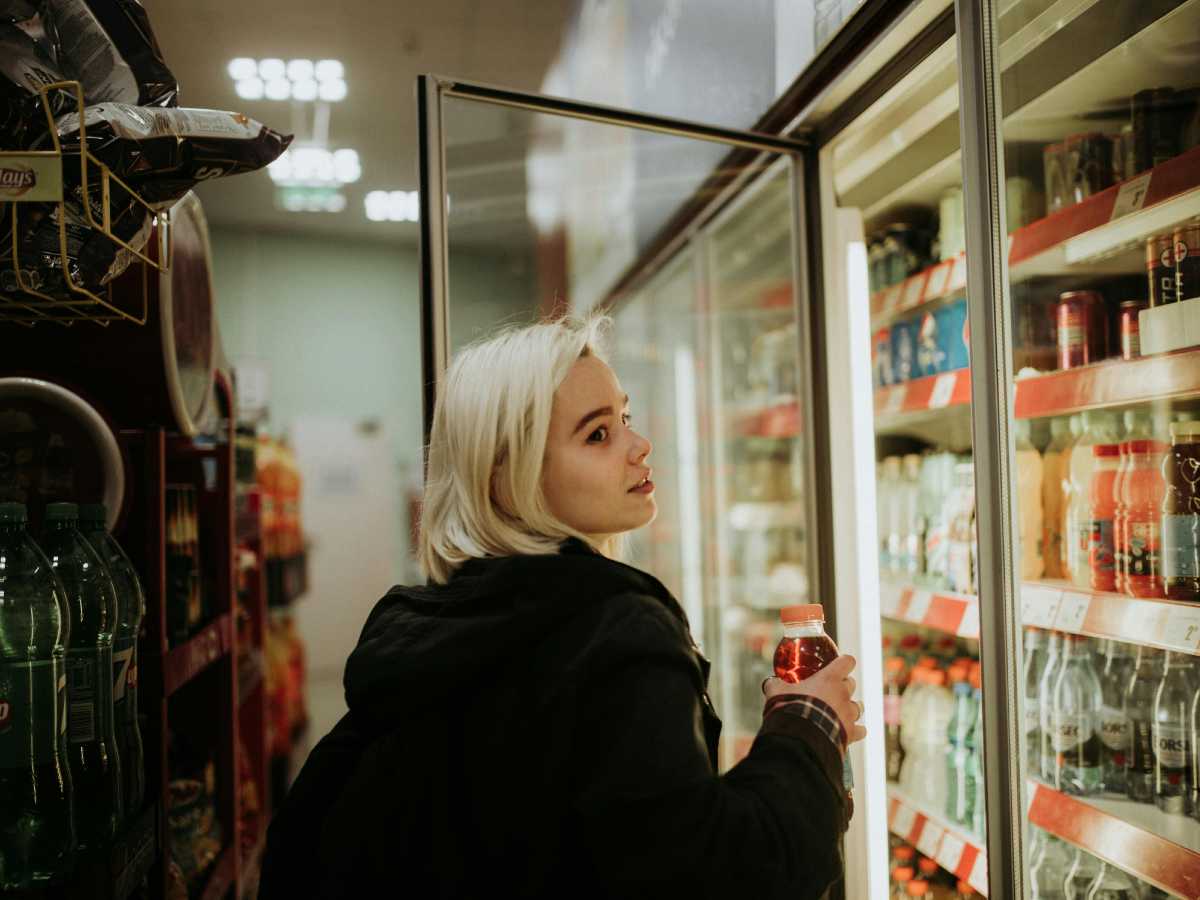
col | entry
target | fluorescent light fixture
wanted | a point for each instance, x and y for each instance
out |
(304, 90)
(330, 70)
(392, 206)
(315, 167)
(278, 89)
(333, 90)
(242, 68)
(300, 69)
(271, 68)
(249, 88)
(310, 199)
(346, 166)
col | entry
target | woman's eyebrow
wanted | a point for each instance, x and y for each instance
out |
(596, 413)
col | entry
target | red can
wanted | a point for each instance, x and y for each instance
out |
(1131, 342)
(1082, 329)
(1160, 269)
(1187, 260)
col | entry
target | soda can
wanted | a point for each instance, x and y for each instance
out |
(1131, 343)
(1082, 329)
(1160, 269)
(1187, 260)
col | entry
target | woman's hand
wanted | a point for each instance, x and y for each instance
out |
(832, 685)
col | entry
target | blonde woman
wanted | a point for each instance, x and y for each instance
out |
(534, 721)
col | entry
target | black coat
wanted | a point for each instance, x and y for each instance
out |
(539, 727)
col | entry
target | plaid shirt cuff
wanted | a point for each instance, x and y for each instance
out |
(816, 711)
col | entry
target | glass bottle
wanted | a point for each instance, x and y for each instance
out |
(1112, 884)
(1114, 724)
(1139, 711)
(1172, 735)
(1049, 861)
(1036, 654)
(1181, 513)
(1081, 875)
(1054, 646)
(1075, 716)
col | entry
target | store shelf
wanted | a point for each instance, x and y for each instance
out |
(248, 514)
(1137, 837)
(945, 279)
(250, 866)
(760, 516)
(774, 420)
(223, 876)
(956, 614)
(250, 676)
(931, 393)
(185, 662)
(953, 848)
(1111, 383)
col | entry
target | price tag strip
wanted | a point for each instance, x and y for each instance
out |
(978, 878)
(903, 820)
(943, 390)
(918, 606)
(969, 626)
(1072, 610)
(951, 851)
(1181, 628)
(930, 839)
(914, 290)
(1132, 196)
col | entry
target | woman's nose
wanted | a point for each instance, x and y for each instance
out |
(641, 447)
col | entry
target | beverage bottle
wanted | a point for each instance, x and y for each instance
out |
(1139, 711)
(1052, 496)
(1054, 646)
(1097, 429)
(1069, 547)
(900, 881)
(918, 888)
(911, 527)
(1075, 716)
(1172, 735)
(1181, 513)
(1114, 725)
(976, 812)
(962, 720)
(804, 650)
(939, 488)
(1030, 470)
(961, 543)
(1137, 428)
(964, 891)
(1049, 860)
(131, 607)
(903, 855)
(893, 689)
(928, 871)
(1143, 492)
(889, 495)
(910, 649)
(1112, 884)
(1082, 872)
(91, 742)
(910, 721)
(1036, 641)
(37, 832)
(1101, 544)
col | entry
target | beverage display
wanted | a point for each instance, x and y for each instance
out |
(91, 739)
(1075, 719)
(1181, 513)
(37, 832)
(959, 790)
(1139, 712)
(131, 607)
(1171, 734)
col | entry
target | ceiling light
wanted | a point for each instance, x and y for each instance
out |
(310, 199)
(271, 68)
(249, 88)
(346, 166)
(278, 89)
(392, 206)
(330, 70)
(333, 90)
(241, 68)
(315, 167)
(300, 70)
(304, 90)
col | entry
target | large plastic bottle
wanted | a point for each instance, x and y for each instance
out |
(1075, 716)
(1137, 428)
(962, 720)
(1114, 724)
(1142, 494)
(911, 526)
(962, 520)
(924, 771)
(976, 811)
(1080, 875)
(1036, 653)
(1139, 710)
(131, 606)
(91, 741)
(1053, 467)
(893, 691)
(1098, 428)
(1069, 544)
(889, 516)
(37, 832)
(1049, 861)
(1029, 503)
(1054, 645)
(1102, 507)
(1172, 735)
(937, 476)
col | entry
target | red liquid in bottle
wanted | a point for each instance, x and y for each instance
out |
(805, 648)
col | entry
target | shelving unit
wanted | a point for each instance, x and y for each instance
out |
(210, 645)
(955, 849)
(950, 613)
(1137, 837)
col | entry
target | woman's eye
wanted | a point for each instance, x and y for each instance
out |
(626, 418)
(599, 436)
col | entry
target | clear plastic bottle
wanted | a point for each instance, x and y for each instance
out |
(1053, 467)
(1069, 544)
(1114, 724)
(1112, 884)
(1054, 645)
(962, 720)
(1172, 735)
(912, 532)
(1075, 716)
(1098, 428)
(1036, 654)
(937, 474)
(1049, 861)
(1139, 710)
(923, 773)
(893, 692)
(900, 880)
(890, 516)
(962, 544)
(977, 812)
(1102, 559)
(1137, 428)
(1081, 874)
(1029, 498)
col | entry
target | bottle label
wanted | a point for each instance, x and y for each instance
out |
(1142, 552)
(891, 709)
(1073, 731)
(30, 718)
(1171, 746)
(82, 724)
(1114, 729)
(1101, 554)
(1142, 738)
(1032, 716)
(1181, 546)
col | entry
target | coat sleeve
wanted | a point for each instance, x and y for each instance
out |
(659, 821)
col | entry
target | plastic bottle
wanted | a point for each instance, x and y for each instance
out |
(900, 881)
(1036, 654)
(976, 811)
(1075, 717)
(1139, 710)
(938, 480)
(1053, 467)
(1029, 499)
(1172, 735)
(918, 888)
(1114, 724)
(1181, 514)
(902, 855)
(962, 720)
(37, 832)
(1049, 861)
(889, 491)
(1069, 545)
(1102, 561)
(1112, 884)
(912, 532)
(923, 773)
(131, 605)
(1054, 646)
(1080, 875)
(1142, 493)
(964, 891)
(1098, 428)
(1137, 428)
(893, 690)
(961, 543)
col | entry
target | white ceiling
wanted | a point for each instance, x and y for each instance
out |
(384, 47)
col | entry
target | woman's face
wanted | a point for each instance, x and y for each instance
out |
(595, 476)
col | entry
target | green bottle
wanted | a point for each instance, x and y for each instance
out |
(37, 832)
(91, 742)
(131, 605)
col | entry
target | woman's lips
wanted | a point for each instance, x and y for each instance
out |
(645, 487)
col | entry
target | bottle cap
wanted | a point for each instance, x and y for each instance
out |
(927, 866)
(957, 673)
(918, 888)
(903, 874)
(804, 612)
(976, 677)
(926, 662)
(62, 512)
(893, 664)
(1186, 430)
(1106, 450)
(93, 514)
(12, 512)
(936, 677)
(1147, 446)
(964, 888)
(904, 853)
(910, 642)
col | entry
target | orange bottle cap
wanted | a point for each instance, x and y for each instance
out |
(804, 612)
(927, 662)
(917, 888)
(893, 664)
(936, 676)
(964, 888)
(903, 874)
(927, 867)
(904, 853)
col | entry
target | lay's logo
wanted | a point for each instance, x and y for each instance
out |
(16, 180)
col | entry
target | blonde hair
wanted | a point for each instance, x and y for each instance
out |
(483, 491)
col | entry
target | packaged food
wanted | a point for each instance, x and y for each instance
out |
(28, 62)
(953, 335)
(881, 358)
(904, 350)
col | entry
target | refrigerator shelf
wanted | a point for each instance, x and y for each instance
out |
(955, 849)
(945, 279)
(956, 614)
(921, 395)
(1137, 837)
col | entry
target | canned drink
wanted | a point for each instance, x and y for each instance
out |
(1088, 165)
(1187, 260)
(1131, 342)
(1082, 329)
(1160, 269)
